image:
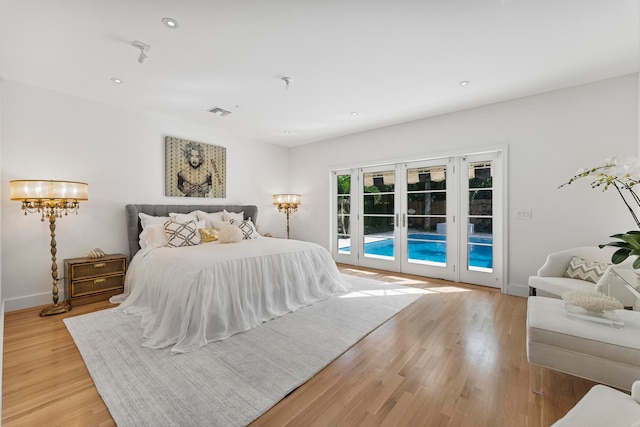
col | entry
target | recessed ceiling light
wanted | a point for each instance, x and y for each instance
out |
(464, 82)
(286, 132)
(117, 80)
(170, 22)
(354, 113)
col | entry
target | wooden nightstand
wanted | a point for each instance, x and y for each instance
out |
(89, 280)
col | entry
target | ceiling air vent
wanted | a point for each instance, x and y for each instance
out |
(219, 111)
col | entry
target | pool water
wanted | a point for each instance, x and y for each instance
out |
(432, 247)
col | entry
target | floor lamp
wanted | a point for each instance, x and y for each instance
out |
(50, 199)
(287, 203)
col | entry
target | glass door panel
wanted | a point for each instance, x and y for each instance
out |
(379, 218)
(344, 208)
(426, 217)
(378, 214)
(480, 217)
(343, 221)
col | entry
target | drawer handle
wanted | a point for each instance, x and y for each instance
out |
(98, 265)
(99, 281)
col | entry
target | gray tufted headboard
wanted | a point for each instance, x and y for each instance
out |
(134, 227)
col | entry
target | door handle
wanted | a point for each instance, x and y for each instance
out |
(397, 223)
(404, 219)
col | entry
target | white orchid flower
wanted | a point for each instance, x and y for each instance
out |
(621, 174)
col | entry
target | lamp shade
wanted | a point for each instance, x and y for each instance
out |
(289, 199)
(31, 190)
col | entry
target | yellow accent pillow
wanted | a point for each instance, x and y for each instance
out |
(208, 235)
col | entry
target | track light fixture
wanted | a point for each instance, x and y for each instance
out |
(144, 49)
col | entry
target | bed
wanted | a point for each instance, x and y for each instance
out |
(190, 296)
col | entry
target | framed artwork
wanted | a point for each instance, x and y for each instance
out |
(194, 169)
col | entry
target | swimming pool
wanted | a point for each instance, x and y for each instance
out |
(432, 248)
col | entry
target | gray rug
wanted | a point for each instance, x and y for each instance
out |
(230, 382)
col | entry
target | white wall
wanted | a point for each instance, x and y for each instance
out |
(120, 154)
(548, 136)
(1, 299)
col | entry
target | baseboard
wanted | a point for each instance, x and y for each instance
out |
(28, 301)
(518, 290)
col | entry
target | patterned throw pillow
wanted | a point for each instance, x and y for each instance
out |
(248, 229)
(583, 269)
(182, 234)
(208, 234)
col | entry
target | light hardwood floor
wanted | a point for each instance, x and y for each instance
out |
(455, 357)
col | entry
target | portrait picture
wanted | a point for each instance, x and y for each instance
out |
(194, 169)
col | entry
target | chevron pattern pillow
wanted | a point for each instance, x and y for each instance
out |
(182, 234)
(583, 269)
(248, 229)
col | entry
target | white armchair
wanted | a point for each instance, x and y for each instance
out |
(605, 406)
(551, 282)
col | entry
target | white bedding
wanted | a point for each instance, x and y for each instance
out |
(190, 296)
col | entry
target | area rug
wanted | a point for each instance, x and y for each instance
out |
(230, 382)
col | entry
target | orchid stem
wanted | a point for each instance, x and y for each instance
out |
(635, 197)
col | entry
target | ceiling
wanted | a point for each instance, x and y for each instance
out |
(389, 61)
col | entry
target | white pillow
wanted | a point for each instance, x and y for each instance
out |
(142, 238)
(214, 219)
(185, 234)
(248, 229)
(182, 217)
(206, 215)
(229, 234)
(150, 219)
(153, 236)
(228, 216)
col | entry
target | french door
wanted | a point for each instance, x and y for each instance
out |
(379, 230)
(481, 207)
(437, 218)
(428, 211)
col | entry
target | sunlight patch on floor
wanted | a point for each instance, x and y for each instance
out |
(360, 272)
(405, 281)
(385, 292)
(403, 291)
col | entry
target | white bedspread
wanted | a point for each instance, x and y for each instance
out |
(190, 296)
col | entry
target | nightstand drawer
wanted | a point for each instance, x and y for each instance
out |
(97, 285)
(98, 267)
